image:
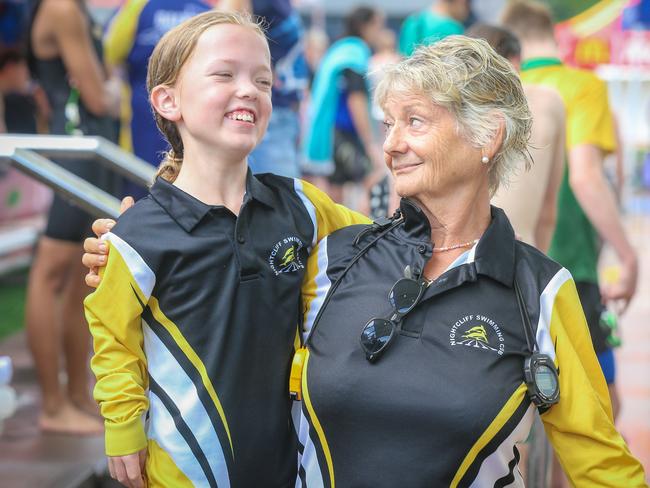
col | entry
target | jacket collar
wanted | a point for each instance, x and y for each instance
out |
(493, 255)
(187, 211)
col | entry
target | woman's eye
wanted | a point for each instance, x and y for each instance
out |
(387, 125)
(415, 122)
(265, 82)
(223, 74)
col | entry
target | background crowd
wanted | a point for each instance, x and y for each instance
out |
(73, 67)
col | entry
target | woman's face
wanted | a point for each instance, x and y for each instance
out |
(424, 150)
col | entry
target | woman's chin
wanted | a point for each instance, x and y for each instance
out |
(406, 187)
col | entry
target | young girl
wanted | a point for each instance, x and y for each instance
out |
(195, 319)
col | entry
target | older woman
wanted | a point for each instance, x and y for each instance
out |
(433, 336)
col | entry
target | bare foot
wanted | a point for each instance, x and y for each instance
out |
(86, 405)
(70, 420)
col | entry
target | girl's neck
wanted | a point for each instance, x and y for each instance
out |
(213, 181)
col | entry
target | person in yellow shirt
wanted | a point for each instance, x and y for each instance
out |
(587, 206)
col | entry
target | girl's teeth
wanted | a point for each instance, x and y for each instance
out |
(243, 117)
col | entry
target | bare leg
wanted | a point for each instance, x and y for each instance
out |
(47, 280)
(336, 192)
(76, 339)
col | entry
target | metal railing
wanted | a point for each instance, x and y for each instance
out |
(30, 153)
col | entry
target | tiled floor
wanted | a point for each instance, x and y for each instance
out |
(633, 357)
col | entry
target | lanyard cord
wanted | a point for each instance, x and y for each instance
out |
(528, 329)
(338, 280)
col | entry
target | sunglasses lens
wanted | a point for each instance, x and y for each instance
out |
(376, 334)
(404, 295)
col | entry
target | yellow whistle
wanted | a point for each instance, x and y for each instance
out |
(295, 378)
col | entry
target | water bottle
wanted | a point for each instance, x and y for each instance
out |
(7, 393)
(609, 323)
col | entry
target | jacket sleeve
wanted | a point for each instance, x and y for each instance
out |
(113, 313)
(326, 215)
(580, 426)
(408, 35)
(121, 31)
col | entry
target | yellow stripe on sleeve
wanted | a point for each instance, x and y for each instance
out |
(580, 426)
(493, 429)
(120, 34)
(316, 423)
(161, 469)
(330, 216)
(310, 289)
(194, 359)
(119, 363)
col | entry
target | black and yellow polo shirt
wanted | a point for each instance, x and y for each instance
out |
(446, 404)
(194, 325)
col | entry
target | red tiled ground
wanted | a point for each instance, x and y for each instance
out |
(633, 357)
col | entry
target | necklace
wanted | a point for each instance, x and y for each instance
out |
(455, 246)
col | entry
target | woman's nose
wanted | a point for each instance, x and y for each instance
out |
(394, 142)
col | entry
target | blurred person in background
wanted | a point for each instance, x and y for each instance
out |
(530, 202)
(26, 107)
(139, 25)
(530, 199)
(383, 199)
(443, 18)
(25, 112)
(129, 40)
(65, 56)
(14, 86)
(316, 44)
(587, 206)
(339, 140)
(278, 152)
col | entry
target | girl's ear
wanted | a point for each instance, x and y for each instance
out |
(164, 100)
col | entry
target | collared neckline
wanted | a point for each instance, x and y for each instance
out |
(188, 211)
(493, 255)
(495, 251)
(533, 63)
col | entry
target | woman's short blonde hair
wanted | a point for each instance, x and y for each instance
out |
(168, 58)
(479, 87)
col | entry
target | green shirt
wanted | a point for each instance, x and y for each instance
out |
(425, 28)
(589, 121)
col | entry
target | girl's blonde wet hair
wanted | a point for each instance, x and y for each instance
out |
(168, 58)
(481, 90)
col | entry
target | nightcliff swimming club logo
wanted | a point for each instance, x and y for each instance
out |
(285, 256)
(477, 331)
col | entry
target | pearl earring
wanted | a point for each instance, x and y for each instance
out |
(485, 160)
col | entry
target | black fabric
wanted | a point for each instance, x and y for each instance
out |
(66, 221)
(379, 199)
(351, 163)
(219, 280)
(353, 82)
(428, 395)
(592, 305)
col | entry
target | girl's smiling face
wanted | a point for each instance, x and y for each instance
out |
(223, 93)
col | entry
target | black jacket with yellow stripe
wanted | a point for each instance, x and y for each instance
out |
(445, 406)
(194, 325)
